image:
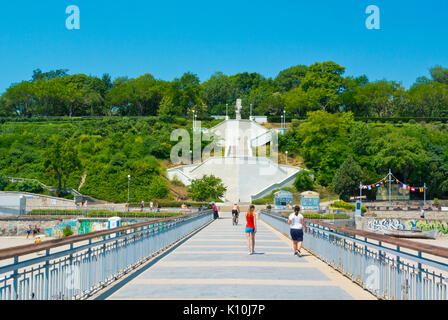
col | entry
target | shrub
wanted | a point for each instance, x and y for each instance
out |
(67, 231)
(3, 183)
(348, 206)
(29, 186)
(303, 181)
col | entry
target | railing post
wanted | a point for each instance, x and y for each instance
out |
(47, 275)
(15, 280)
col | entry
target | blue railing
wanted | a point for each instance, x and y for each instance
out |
(382, 268)
(77, 272)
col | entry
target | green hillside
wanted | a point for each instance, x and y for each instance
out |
(106, 150)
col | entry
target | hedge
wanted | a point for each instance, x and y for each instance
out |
(169, 203)
(349, 206)
(372, 119)
(101, 213)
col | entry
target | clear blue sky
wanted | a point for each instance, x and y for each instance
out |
(168, 38)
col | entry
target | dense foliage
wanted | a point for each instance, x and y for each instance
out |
(298, 90)
(208, 188)
(340, 150)
(104, 151)
(303, 181)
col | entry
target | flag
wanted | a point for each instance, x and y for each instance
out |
(413, 189)
(421, 189)
(409, 187)
(381, 182)
(370, 187)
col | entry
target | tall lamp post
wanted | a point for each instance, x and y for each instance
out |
(129, 183)
(250, 118)
(286, 152)
(284, 119)
(193, 119)
(227, 117)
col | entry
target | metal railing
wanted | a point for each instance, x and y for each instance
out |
(388, 267)
(100, 258)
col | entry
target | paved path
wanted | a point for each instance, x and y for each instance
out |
(214, 264)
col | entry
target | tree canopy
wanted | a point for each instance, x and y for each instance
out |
(297, 89)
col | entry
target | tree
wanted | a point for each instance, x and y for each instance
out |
(428, 99)
(39, 75)
(303, 181)
(61, 160)
(439, 74)
(377, 98)
(320, 89)
(186, 93)
(208, 188)
(20, 98)
(217, 91)
(140, 96)
(323, 142)
(290, 78)
(347, 178)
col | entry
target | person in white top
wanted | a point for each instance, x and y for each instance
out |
(297, 223)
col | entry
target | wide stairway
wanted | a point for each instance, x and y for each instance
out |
(214, 264)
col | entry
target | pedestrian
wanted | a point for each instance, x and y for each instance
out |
(235, 213)
(151, 206)
(200, 207)
(422, 214)
(251, 228)
(297, 223)
(215, 211)
(28, 231)
(128, 204)
(142, 205)
(35, 231)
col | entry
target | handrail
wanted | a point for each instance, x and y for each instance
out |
(46, 245)
(422, 247)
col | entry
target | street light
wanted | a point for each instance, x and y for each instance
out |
(286, 152)
(226, 111)
(250, 112)
(129, 182)
(284, 118)
(193, 120)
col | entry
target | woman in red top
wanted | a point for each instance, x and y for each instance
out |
(251, 228)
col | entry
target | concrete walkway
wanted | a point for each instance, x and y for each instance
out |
(214, 264)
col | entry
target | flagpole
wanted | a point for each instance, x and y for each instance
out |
(390, 187)
(424, 194)
(360, 193)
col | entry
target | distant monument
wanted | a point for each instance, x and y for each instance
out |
(238, 108)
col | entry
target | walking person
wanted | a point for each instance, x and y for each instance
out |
(142, 205)
(28, 231)
(251, 229)
(297, 224)
(215, 211)
(235, 213)
(422, 214)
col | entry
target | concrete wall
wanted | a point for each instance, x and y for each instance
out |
(11, 226)
(10, 202)
(402, 223)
